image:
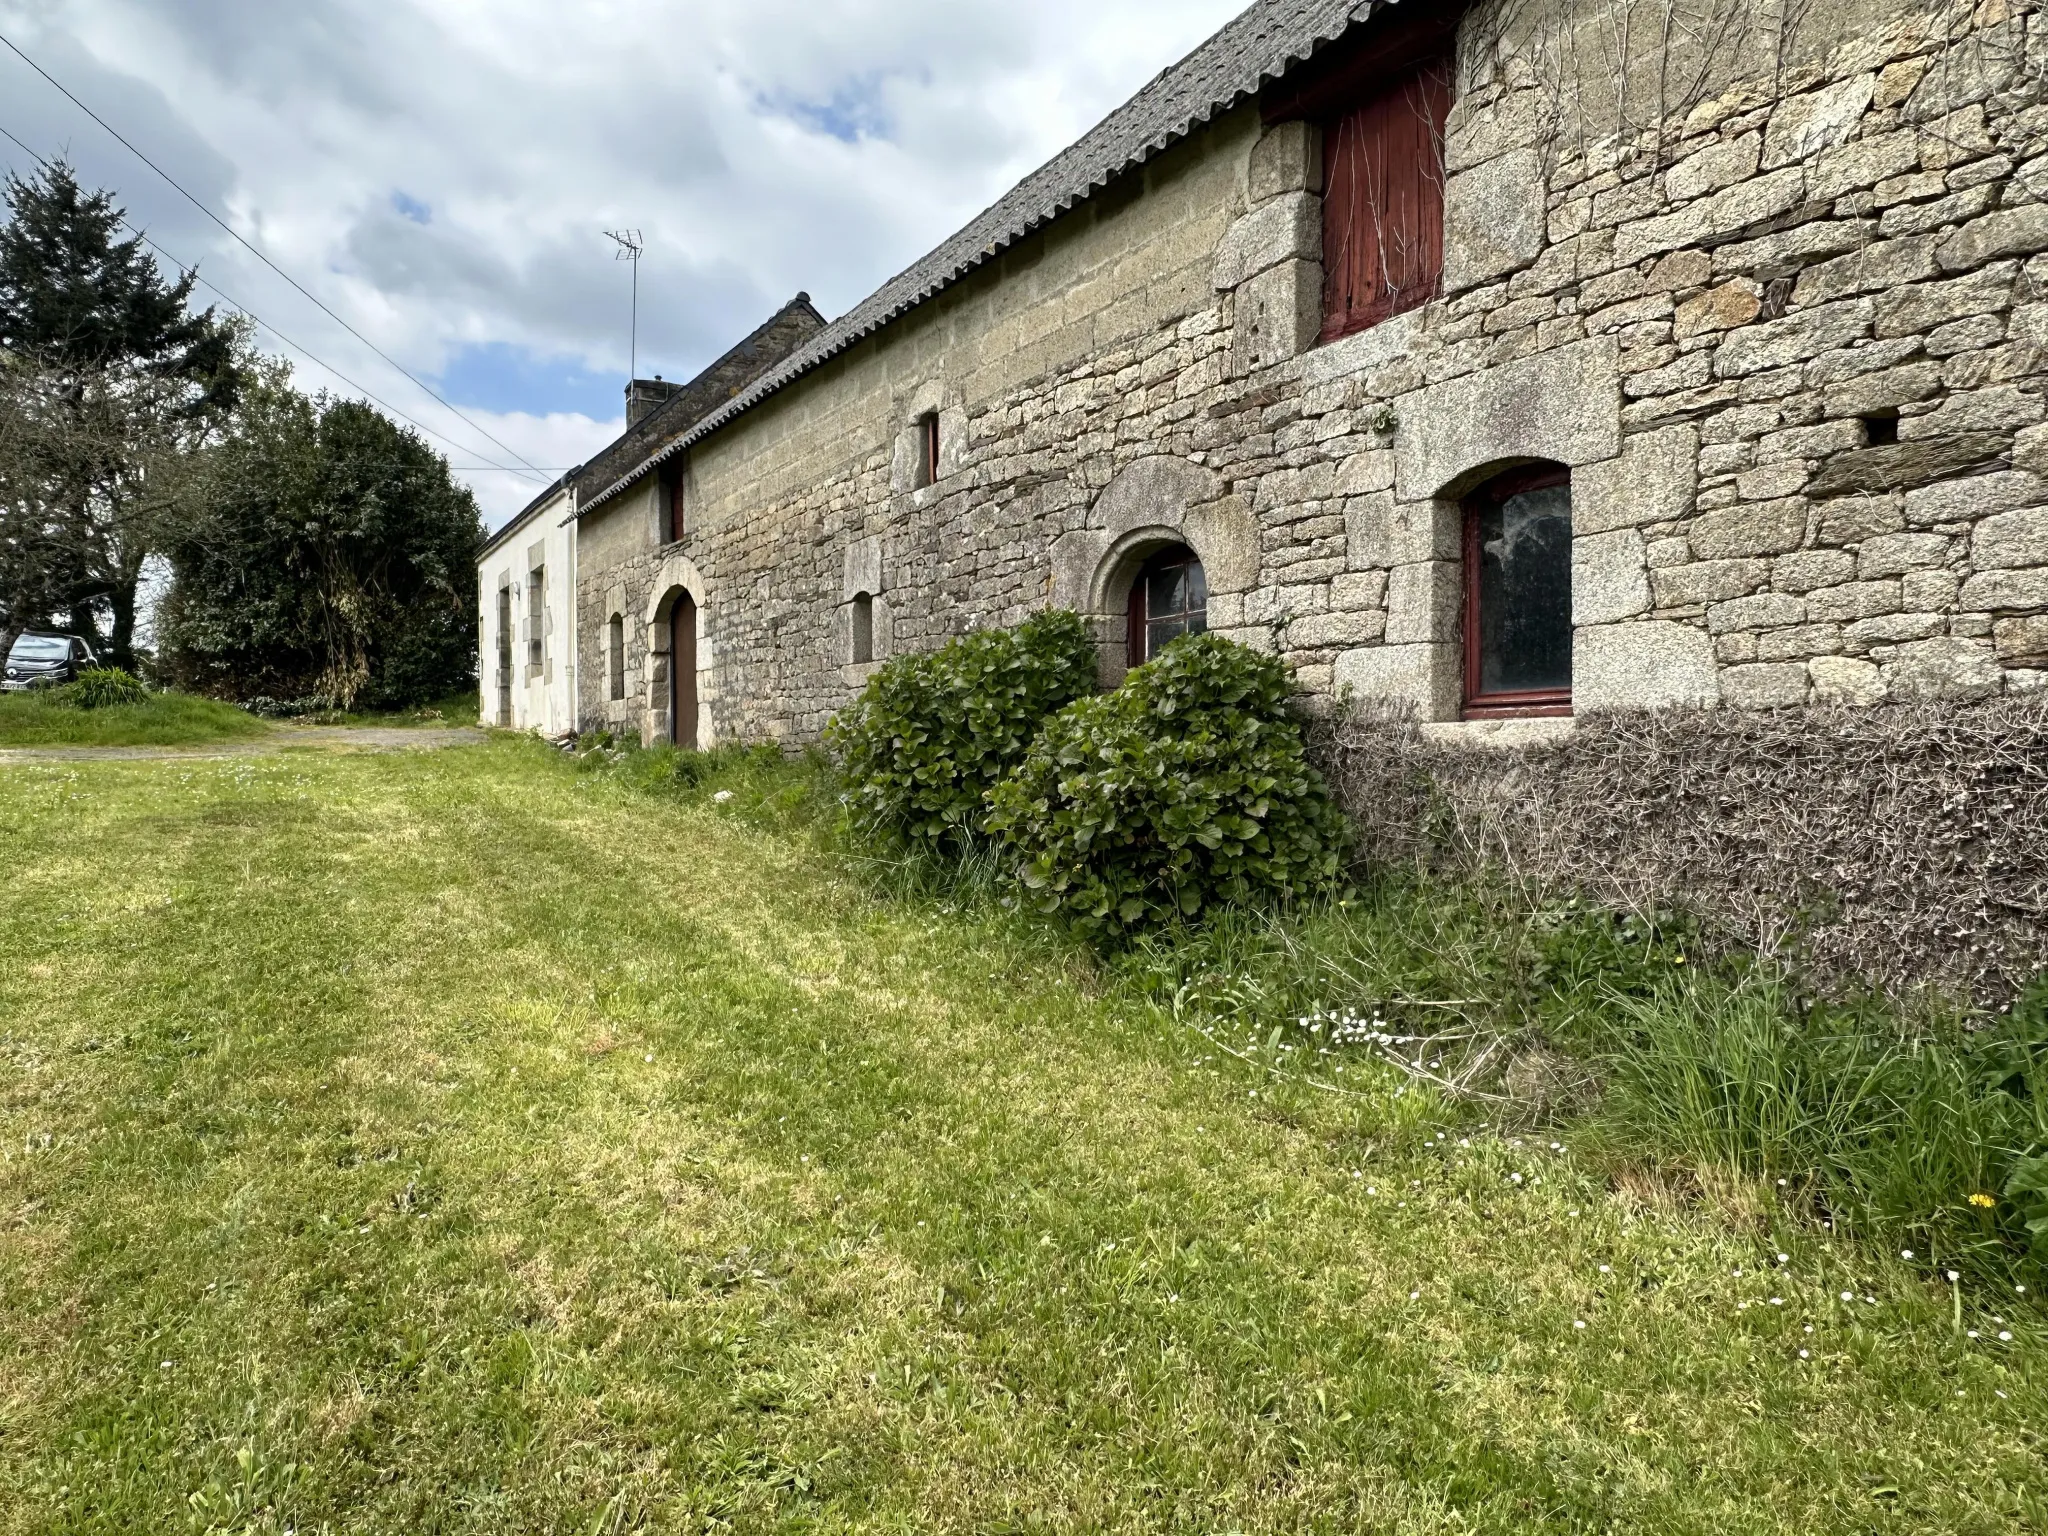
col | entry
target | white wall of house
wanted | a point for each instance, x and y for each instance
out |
(526, 590)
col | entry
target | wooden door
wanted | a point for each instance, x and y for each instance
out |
(505, 657)
(682, 673)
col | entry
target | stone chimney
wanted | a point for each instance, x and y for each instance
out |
(645, 396)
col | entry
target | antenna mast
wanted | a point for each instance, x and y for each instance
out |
(630, 246)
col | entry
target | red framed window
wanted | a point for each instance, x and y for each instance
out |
(675, 501)
(1383, 199)
(1518, 595)
(1169, 598)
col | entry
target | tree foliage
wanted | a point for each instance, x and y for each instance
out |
(335, 559)
(111, 388)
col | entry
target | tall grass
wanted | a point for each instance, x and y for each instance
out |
(1909, 1136)
(1905, 1128)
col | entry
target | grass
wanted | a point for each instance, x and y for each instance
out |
(456, 709)
(1906, 1128)
(460, 1143)
(167, 720)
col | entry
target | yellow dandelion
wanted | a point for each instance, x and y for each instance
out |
(1983, 1201)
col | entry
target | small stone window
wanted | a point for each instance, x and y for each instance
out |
(1518, 595)
(1169, 598)
(615, 648)
(674, 501)
(928, 449)
(1881, 431)
(862, 623)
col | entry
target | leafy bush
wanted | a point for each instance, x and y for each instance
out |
(931, 735)
(103, 688)
(1185, 790)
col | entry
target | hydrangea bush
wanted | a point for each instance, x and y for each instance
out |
(1187, 789)
(932, 734)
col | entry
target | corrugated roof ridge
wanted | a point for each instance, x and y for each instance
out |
(1259, 45)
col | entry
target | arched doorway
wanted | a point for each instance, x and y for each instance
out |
(1169, 598)
(682, 672)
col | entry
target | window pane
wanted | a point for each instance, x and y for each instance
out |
(1525, 592)
(1161, 634)
(1167, 594)
(41, 648)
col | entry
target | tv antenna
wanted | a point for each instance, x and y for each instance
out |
(630, 246)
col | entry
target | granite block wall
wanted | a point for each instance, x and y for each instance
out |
(1789, 331)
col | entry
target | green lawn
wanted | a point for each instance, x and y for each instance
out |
(167, 720)
(451, 1143)
(456, 709)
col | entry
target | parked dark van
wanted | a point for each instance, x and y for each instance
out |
(38, 658)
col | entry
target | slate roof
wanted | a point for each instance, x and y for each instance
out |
(1260, 46)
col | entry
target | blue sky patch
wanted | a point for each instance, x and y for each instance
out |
(501, 377)
(412, 208)
(850, 114)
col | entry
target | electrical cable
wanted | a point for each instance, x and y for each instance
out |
(252, 250)
(529, 472)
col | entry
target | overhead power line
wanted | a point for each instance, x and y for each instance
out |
(529, 472)
(236, 236)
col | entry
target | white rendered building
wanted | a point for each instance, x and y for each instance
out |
(527, 618)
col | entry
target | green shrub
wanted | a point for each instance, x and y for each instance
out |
(1186, 790)
(931, 735)
(103, 688)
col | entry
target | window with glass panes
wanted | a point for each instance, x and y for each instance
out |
(1169, 598)
(1518, 595)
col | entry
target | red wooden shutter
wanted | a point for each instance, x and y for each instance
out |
(1383, 207)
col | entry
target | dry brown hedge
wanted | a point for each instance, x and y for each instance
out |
(1900, 846)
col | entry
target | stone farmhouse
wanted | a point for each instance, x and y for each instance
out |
(1508, 360)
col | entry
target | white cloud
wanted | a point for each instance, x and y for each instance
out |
(441, 172)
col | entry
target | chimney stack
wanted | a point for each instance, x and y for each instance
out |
(646, 396)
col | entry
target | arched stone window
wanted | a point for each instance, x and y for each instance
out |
(862, 618)
(615, 649)
(1518, 594)
(1169, 598)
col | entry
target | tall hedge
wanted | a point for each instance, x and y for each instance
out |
(932, 734)
(1187, 789)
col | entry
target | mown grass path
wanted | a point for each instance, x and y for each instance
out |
(445, 1143)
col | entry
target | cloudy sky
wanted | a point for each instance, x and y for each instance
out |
(442, 172)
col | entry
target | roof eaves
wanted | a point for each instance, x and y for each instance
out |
(527, 514)
(1298, 29)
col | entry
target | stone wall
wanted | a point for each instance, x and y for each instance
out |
(1705, 312)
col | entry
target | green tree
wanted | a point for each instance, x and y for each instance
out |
(112, 388)
(335, 559)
